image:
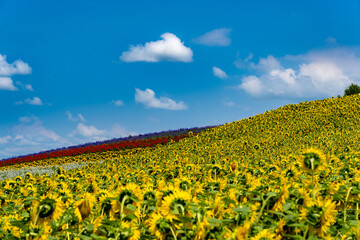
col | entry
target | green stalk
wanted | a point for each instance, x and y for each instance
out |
(346, 200)
(122, 206)
(173, 233)
(263, 207)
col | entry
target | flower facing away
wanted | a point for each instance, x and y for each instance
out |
(312, 160)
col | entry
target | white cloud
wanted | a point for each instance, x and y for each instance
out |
(88, 131)
(217, 37)
(117, 103)
(75, 119)
(29, 87)
(148, 98)
(34, 101)
(219, 73)
(252, 85)
(5, 139)
(6, 83)
(321, 73)
(243, 63)
(118, 131)
(25, 87)
(170, 48)
(31, 129)
(17, 67)
(29, 136)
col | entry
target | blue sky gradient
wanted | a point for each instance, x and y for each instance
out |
(76, 72)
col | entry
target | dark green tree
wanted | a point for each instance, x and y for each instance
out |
(352, 89)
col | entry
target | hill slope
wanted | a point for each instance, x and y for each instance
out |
(288, 173)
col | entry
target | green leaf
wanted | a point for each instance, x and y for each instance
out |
(131, 207)
(184, 219)
(98, 237)
(83, 237)
(287, 206)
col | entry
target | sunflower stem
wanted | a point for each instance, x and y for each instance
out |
(122, 206)
(312, 178)
(346, 200)
(37, 215)
(68, 233)
(173, 233)
(263, 207)
(306, 231)
(357, 213)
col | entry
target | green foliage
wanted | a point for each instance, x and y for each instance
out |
(352, 89)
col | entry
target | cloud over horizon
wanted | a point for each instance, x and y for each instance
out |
(320, 73)
(169, 48)
(217, 37)
(148, 99)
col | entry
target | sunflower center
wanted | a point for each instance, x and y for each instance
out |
(46, 207)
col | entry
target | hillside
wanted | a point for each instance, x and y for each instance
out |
(288, 173)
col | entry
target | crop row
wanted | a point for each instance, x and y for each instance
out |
(140, 141)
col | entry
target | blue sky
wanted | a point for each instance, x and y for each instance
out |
(76, 72)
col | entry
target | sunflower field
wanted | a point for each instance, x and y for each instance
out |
(289, 173)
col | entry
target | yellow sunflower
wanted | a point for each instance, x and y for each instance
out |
(320, 214)
(311, 160)
(243, 231)
(129, 231)
(47, 208)
(84, 205)
(105, 207)
(263, 235)
(128, 194)
(283, 195)
(176, 204)
(159, 226)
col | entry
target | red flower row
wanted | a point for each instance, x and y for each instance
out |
(141, 143)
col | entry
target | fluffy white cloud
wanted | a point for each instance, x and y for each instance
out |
(88, 131)
(6, 83)
(322, 73)
(170, 48)
(75, 119)
(9, 69)
(217, 37)
(219, 73)
(148, 98)
(17, 67)
(117, 103)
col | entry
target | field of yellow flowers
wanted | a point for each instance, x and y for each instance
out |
(290, 173)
